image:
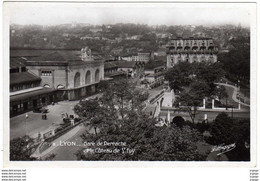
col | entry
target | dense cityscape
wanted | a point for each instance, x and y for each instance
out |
(129, 92)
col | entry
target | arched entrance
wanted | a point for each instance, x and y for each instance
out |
(77, 80)
(178, 121)
(97, 75)
(87, 79)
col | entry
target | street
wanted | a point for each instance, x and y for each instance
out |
(34, 124)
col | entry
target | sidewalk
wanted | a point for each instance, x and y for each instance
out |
(34, 124)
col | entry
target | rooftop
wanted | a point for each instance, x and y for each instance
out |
(16, 62)
(154, 64)
(109, 65)
(23, 77)
(36, 53)
(58, 57)
(30, 93)
(128, 64)
(192, 38)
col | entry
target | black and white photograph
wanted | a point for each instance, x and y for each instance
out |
(165, 82)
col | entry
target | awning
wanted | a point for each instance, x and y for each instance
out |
(30, 94)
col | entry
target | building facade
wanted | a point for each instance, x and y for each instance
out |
(111, 70)
(75, 76)
(26, 92)
(154, 77)
(191, 50)
(132, 69)
(139, 57)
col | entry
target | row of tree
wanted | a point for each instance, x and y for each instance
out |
(119, 117)
(236, 62)
(193, 82)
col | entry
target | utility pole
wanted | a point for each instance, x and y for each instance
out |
(232, 111)
(26, 117)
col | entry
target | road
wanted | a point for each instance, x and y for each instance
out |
(210, 115)
(67, 146)
(34, 124)
(234, 93)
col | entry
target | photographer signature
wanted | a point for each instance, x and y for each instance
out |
(223, 148)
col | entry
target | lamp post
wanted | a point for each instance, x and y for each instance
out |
(26, 117)
(238, 90)
(232, 107)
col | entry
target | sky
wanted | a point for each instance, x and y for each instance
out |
(142, 13)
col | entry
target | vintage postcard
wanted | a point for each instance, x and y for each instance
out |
(157, 84)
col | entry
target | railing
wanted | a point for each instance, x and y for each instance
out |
(156, 97)
(192, 51)
(47, 142)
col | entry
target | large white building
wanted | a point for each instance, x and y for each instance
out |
(191, 50)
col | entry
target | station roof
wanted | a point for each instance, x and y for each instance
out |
(52, 57)
(28, 94)
(58, 56)
(36, 53)
(22, 77)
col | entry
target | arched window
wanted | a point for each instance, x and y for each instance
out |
(202, 48)
(77, 80)
(172, 48)
(60, 86)
(195, 47)
(47, 86)
(186, 48)
(87, 79)
(97, 75)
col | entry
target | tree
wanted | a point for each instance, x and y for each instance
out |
(196, 81)
(126, 122)
(200, 88)
(209, 73)
(240, 136)
(237, 61)
(188, 102)
(179, 76)
(148, 141)
(220, 130)
(221, 92)
(226, 130)
(92, 111)
(121, 96)
(190, 99)
(184, 74)
(20, 149)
